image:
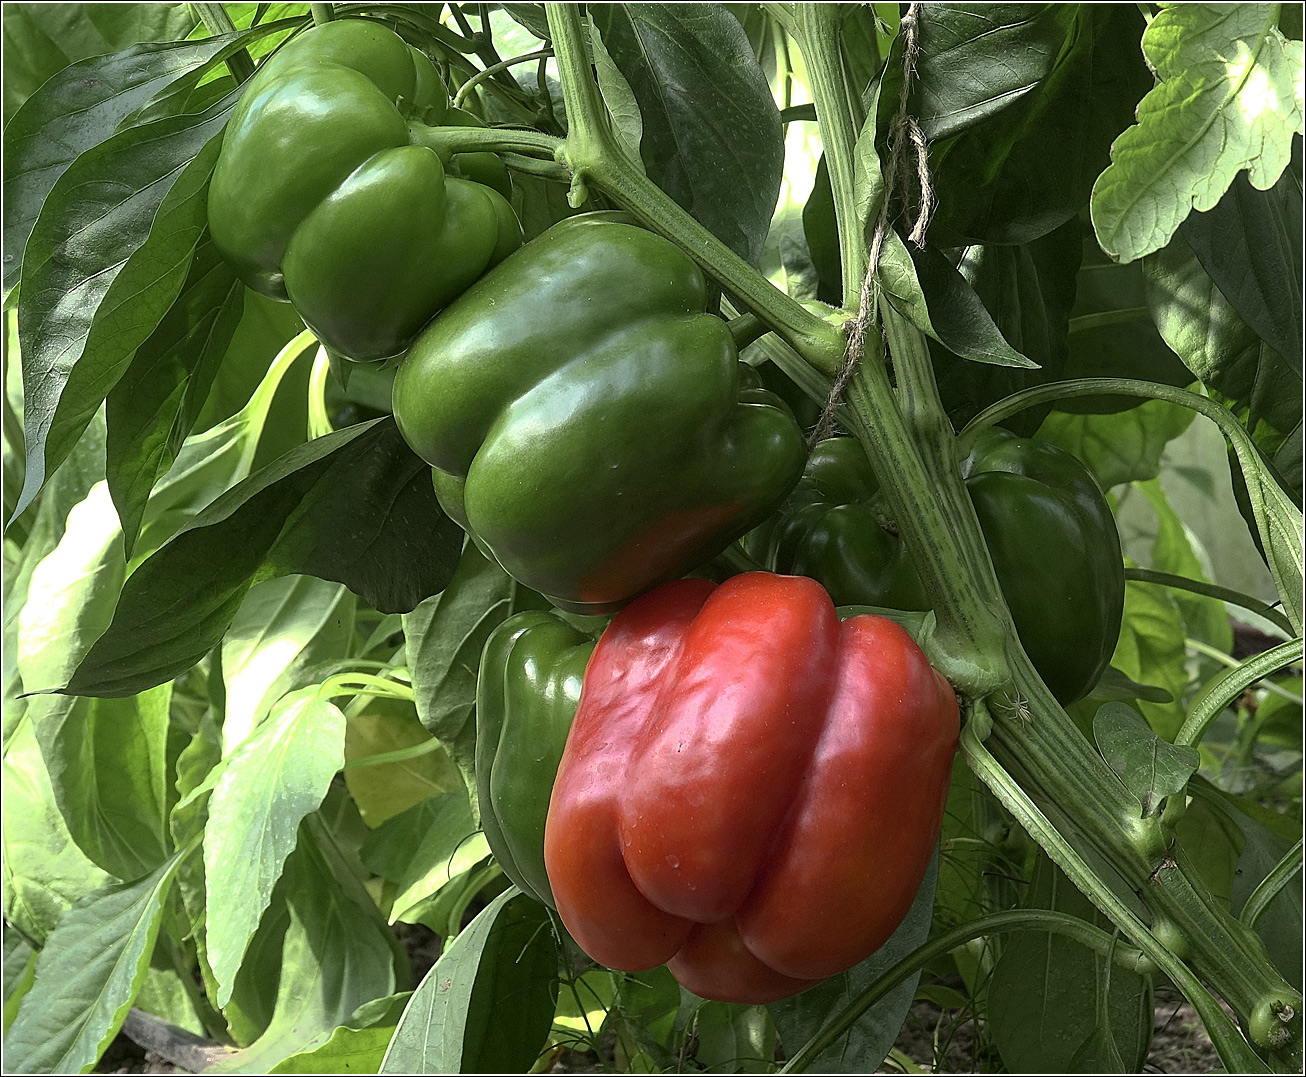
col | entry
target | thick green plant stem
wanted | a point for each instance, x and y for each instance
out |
(816, 27)
(966, 643)
(1055, 923)
(1229, 685)
(595, 156)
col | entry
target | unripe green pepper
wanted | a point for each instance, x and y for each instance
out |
(587, 420)
(526, 697)
(324, 195)
(1047, 525)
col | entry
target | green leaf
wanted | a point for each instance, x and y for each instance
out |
(445, 636)
(153, 407)
(1112, 335)
(864, 1046)
(355, 506)
(506, 960)
(1045, 994)
(424, 863)
(1028, 292)
(78, 109)
(734, 1038)
(107, 762)
(1204, 617)
(617, 96)
(960, 319)
(1122, 447)
(19, 973)
(1203, 328)
(1016, 145)
(337, 955)
(689, 66)
(1114, 687)
(89, 971)
(45, 872)
(269, 783)
(1229, 98)
(42, 39)
(1251, 245)
(1150, 768)
(106, 258)
(386, 790)
(1260, 838)
(1151, 651)
(358, 1046)
(283, 629)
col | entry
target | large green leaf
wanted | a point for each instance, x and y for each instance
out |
(106, 258)
(711, 135)
(45, 872)
(153, 407)
(42, 39)
(1027, 291)
(107, 761)
(266, 787)
(336, 955)
(1045, 996)
(355, 506)
(283, 629)
(1201, 325)
(505, 961)
(78, 109)
(1118, 447)
(1251, 245)
(89, 971)
(1229, 97)
(1017, 143)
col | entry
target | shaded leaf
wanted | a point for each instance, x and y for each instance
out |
(506, 960)
(1046, 993)
(864, 1046)
(336, 955)
(155, 403)
(712, 137)
(1203, 328)
(107, 256)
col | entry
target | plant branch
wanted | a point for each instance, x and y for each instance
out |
(503, 65)
(215, 17)
(1211, 590)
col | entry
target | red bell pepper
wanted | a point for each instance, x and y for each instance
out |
(751, 790)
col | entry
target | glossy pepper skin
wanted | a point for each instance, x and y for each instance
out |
(751, 790)
(324, 195)
(1049, 530)
(586, 418)
(526, 696)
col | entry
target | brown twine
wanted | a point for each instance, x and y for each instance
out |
(902, 170)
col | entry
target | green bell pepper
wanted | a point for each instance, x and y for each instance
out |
(1047, 525)
(526, 697)
(586, 419)
(324, 194)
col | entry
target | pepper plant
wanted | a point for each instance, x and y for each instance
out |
(362, 360)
